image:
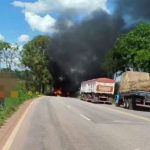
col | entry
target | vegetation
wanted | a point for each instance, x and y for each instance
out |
(33, 56)
(9, 54)
(12, 104)
(34, 60)
(131, 50)
(34, 77)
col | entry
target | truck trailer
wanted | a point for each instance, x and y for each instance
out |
(98, 90)
(134, 90)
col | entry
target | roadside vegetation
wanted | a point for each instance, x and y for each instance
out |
(33, 56)
(29, 64)
(12, 104)
(131, 50)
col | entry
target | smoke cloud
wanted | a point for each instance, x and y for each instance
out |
(78, 48)
(134, 9)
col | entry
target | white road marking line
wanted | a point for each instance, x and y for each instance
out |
(85, 117)
(14, 132)
(68, 106)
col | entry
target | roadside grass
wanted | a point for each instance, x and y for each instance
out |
(12, 104)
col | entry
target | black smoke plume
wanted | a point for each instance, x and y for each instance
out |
(135, 10)
(77, 52)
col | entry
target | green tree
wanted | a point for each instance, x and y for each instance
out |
(131, 50)
(9, 54)
(108, 65)
(33, 56)
(142, 59)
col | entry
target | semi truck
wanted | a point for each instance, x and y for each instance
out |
(97, 90)
(134, 90)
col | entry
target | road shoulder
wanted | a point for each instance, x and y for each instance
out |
(11, 123)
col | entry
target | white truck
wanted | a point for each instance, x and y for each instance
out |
(98, 90)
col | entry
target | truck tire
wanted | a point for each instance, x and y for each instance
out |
(132, 103)
(93, 100)
(88, 99)
(110, 100)
(125, 103)
(85, 97)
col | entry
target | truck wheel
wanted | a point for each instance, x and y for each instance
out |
(110, 101)
(93, 100)
(85, 97)
(132, 103)
(88, 99)
(125, 103)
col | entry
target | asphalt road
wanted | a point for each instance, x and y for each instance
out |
(69, 124)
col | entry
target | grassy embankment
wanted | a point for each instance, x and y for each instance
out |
(12, 104)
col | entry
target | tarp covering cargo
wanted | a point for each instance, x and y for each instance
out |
(131, 81)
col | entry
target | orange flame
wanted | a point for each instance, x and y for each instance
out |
(58, 92)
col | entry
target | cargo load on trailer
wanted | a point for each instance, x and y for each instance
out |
(134, 81)
(134, 89)
(98, 90)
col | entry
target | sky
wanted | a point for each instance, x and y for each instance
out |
(24, 19)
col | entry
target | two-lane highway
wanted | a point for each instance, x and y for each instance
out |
(56, 123)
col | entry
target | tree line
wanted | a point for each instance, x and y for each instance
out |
(30, 63)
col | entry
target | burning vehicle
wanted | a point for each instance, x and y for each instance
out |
(59, 93)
